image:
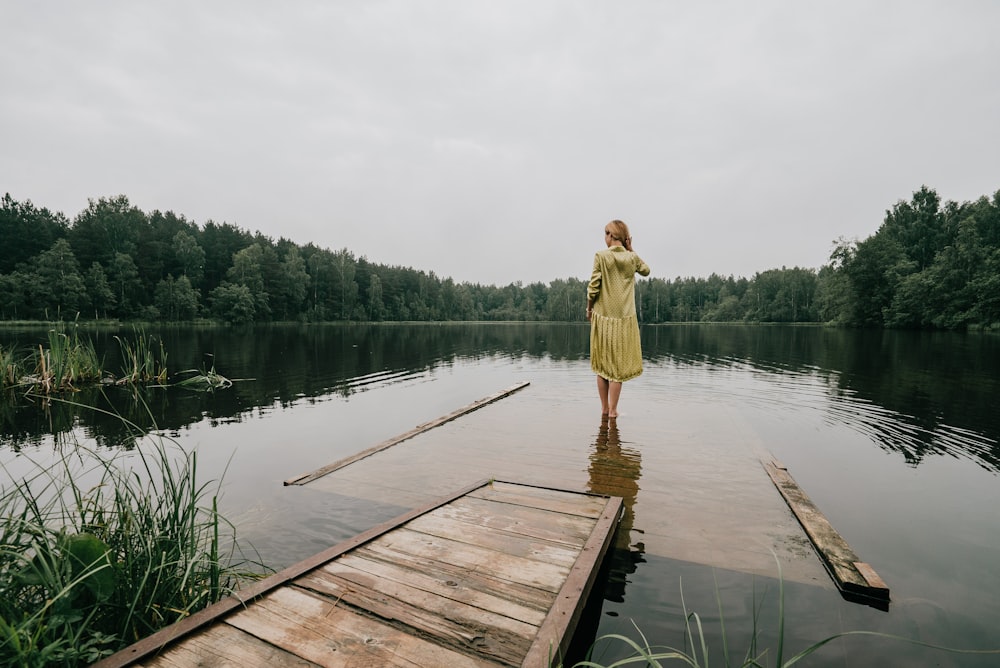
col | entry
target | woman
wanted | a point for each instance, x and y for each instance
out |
(615, 350)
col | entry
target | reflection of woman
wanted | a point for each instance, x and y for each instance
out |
(615, 349)
(614, 470)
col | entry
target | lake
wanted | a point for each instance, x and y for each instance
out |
(894, 435)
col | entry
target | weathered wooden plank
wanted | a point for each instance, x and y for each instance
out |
(476, 580)
(343, 582)
(403, 543)
(223, 646)
(839, 558)
(502, 541)
(556, 633)
(875, 582)
(419, 429)
(570, 530)
(329, 634)
(213, 612)
(433, 587)
(451, 624)
(530, 612)
(538, 497)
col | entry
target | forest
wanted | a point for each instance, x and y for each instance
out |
(930, 265)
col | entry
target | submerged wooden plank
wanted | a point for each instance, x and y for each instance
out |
(571, 530)
(849, 573)
(419, 429)
(570, 503)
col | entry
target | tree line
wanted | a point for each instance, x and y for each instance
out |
(928, 265)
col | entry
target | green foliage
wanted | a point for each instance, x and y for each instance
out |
(10, 367)
(27, 231)
(66, 363)
(176, 300)
(931, 264)
(144, 362)
(123, 276)
(105, 229)
(101, 298)
(927, 266)
(86, 570)
(203, 380)
(233, 303)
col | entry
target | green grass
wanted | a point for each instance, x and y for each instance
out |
(10, 367)
(69, 362)
(144, 362)
(98, 551)
(66, 363)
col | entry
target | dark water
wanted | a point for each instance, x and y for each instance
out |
(895, 435)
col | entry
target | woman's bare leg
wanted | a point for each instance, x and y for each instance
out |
(602, 392)
(614, 391)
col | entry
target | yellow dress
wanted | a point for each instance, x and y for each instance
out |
(615, 348)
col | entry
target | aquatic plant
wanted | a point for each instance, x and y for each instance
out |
(10, 367)
(203, 380)
(141, 362)
(86, 569)
(66, 362)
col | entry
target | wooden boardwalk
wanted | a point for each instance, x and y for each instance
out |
(496, 574)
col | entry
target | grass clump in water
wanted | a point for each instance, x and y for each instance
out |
(142, 363)
(203, 380)
(10, 368)
(65, 364)
(86, 569)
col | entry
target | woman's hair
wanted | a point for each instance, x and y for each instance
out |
(619, 232)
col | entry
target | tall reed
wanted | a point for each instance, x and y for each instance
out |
(87, 568)
(140, 359)
(67, 362)
(10, 367)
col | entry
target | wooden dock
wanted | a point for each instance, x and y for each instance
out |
(496, 574)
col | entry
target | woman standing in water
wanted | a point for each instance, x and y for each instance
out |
(615, 349)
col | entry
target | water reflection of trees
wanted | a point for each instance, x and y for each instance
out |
(271, 364)
(915, 393)
(614, 470)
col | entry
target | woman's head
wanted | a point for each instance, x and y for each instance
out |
(616, 230)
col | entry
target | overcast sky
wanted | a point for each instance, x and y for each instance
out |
(491, 141)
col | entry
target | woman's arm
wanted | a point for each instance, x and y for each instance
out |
(594, 286)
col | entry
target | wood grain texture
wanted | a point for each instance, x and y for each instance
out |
(494, 575)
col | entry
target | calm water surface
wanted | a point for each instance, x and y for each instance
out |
(894, 435)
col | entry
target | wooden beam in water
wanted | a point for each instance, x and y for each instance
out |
(852, 576)
(419, 429)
